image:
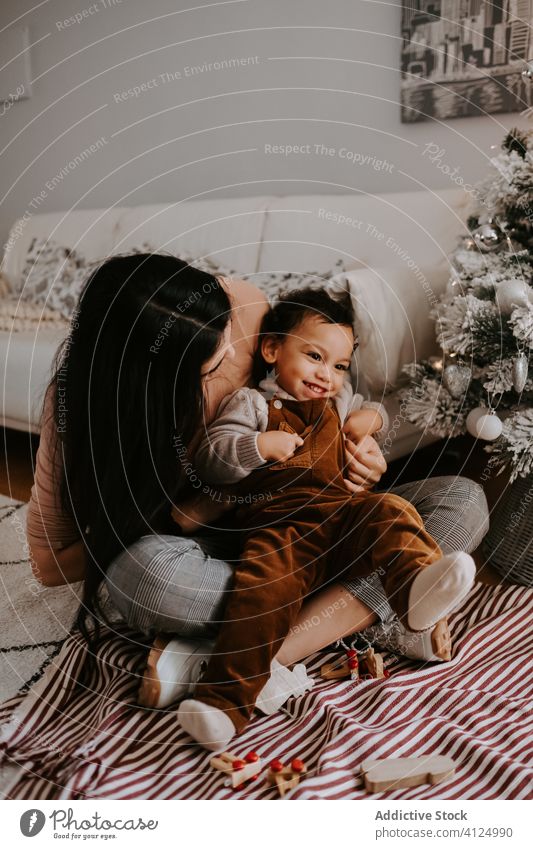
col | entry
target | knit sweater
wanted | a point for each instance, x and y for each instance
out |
(229, 451)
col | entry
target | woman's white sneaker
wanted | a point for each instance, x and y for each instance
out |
(172, 669)
(431, 645)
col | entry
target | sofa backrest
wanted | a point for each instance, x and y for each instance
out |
(298, 233)
(311, 232)
(228, 232)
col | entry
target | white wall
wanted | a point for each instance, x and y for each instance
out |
(207, 132)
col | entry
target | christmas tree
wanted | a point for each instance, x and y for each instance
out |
(483, 382)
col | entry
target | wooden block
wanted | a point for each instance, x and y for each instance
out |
(392, 773)
(371, 663)
(225, 763)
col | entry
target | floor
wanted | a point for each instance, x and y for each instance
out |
(17, 463)
(456, 456)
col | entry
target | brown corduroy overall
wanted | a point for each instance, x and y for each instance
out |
(306, 531)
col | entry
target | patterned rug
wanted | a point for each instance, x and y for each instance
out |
(78, 734)
(34, 620)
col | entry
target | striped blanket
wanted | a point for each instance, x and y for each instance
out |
(78, 734)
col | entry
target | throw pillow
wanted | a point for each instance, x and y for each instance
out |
(393, 323)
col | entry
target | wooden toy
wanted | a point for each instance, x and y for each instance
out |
(441, 641)
(285, 778)
(371, 664)
(392, 773)
(348, 668)
(239, 770)
(332, 671)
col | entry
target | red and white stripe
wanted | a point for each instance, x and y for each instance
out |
(79, 734)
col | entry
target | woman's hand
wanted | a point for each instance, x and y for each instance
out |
(200, 510)
(365, 463)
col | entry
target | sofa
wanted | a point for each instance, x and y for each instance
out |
(390, 251)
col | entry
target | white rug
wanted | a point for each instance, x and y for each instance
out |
(34, 620)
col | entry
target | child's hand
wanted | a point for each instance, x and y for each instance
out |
(362, 423)
(278, 444)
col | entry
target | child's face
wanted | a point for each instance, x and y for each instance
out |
(312, 361)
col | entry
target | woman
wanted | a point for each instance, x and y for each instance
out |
(155, 346)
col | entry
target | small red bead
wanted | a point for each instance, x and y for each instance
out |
(351, 653)
(254, 777)
(352, 663)
(386, 673)
(238, 765)
(297, 765)
(251, 758)
(276, 765)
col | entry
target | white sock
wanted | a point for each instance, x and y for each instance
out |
(209, 726)
(439, 588)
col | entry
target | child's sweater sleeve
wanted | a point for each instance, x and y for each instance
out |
(229, 452)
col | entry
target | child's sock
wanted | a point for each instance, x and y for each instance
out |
(439, 588)
(282, 684)
(209, 726)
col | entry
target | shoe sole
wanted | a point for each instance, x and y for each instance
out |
(441, 640)
(150, 688)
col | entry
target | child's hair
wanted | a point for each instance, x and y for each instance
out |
(290, 310)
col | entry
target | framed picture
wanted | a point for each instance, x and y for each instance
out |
(15, 73)
(464, 57)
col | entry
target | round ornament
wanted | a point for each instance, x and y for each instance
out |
(510, 294)
(520, 371)
(456, 379)
(489, 427)
(472, 419)
(488, 237)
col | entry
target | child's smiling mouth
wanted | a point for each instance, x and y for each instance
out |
(315, 389)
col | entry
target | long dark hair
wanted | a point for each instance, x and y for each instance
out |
(290, 310)
(128, 393)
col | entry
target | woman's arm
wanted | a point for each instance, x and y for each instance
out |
(199, 511)
(57, 553)
(52, 568)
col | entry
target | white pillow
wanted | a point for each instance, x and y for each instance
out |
(392, 307)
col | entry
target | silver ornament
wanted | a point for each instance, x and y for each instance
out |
(456, 379)
(520, 370)
(488, 237)
(510, 294)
